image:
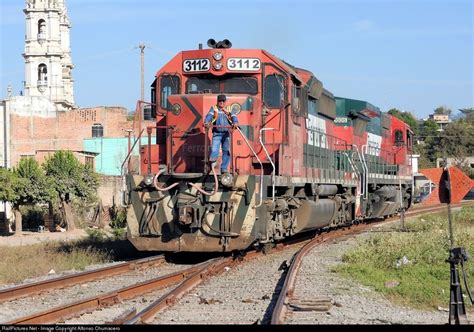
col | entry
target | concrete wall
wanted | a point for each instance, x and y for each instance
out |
(109, 190)
(111, 153)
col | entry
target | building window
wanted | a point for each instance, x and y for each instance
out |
(89, 161)
(399, 138)
(41, 30)
(42, 75)
(97, 130)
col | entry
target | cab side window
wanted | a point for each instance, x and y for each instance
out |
(274, 90)
(169, 85)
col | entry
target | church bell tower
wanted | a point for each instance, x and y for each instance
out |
(48, 63)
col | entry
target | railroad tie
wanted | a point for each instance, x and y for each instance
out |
(320, 304)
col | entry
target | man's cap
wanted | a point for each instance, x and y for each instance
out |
(221, 98)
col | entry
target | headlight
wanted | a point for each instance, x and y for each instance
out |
(148, 180)
(218, 65)
(235, 108)
(227, 179)
(218, 56)
(176, 110)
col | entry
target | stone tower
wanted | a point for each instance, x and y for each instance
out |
(48, 63)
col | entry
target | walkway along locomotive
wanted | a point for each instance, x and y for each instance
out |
(301, 158)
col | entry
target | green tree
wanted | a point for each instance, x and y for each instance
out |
(424, 161)
(429, 129)
(70, 178)
(9, 185)
(469, 114)
(429, 140)
(406, 117)
(25, 185)
(443, 110)
(35, 187)
(457, 142)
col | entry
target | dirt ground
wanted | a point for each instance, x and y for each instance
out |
(35, 237)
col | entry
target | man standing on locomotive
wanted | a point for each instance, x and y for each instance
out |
(222, 120)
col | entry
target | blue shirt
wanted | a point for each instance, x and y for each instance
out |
(222, 119)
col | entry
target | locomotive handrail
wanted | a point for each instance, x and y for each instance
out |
(125, 203)
(261, 167)
(376, 151)
(366, 177)
(360, 158)
(129, 152)
(271, 161)
(353, 165)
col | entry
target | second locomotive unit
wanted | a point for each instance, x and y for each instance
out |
(301, 158)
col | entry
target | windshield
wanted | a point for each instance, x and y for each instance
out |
(229, 84)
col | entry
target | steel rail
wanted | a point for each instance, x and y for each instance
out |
(127, 315)
(287, 290)
(57, 314)
(214, 267)
(172, 297)
(423, 209)
(281, 306)
(16, 292)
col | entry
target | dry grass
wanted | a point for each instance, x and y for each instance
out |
(23, 262)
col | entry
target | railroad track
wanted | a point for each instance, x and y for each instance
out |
(182, 282)
(90, 304)
(287, 291)
(17, 292)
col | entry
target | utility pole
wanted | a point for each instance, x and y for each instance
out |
(142, 47)
(140, 104)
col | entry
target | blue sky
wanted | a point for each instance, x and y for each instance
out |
(414, 55)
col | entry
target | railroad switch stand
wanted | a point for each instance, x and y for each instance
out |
(457, 311)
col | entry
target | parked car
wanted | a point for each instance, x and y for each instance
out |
(421, 197)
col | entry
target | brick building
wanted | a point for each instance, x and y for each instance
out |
(36, 136)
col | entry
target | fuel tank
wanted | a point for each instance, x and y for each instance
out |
(313, 215)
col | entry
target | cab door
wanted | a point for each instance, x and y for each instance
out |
(275, 115)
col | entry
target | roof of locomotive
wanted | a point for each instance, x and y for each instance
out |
(302, 75)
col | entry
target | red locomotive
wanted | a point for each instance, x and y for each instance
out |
(301, 159)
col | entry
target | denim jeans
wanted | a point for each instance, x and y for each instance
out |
(218, 139)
